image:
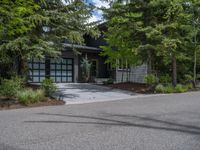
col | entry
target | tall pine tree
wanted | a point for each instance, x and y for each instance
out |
(37, 28)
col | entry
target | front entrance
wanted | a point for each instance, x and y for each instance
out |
(59, 70)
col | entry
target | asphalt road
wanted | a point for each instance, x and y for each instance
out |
(169, 122)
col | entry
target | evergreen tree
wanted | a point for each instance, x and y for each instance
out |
(157, 31)
(37, 28)
(173, 32)
(193, 8)
(122, 21)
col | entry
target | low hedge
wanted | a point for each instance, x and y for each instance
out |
(179, 88)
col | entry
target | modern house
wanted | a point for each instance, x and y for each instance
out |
(67, 69)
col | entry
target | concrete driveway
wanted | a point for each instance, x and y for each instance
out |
(170, 122)
(73, 93)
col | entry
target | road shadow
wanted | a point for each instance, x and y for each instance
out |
(4, 146)
(121, 120)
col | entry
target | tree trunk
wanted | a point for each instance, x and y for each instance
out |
(122, 79)
(129, 75)
(195, 65)
(149, 65)
(174, 70)
(22, 67)
(127, 70)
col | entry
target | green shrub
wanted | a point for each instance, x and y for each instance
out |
(151, 79)
(10, 87)
(48, 86)
(165, 79)
(169, 89)
(188, 86)
(188, 77)
(160, 88)
(180, 88)
(24, 96)
(38, 96)
(198, 76)
(28, 96)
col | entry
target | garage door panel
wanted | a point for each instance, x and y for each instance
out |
(58, 70)
(53, 78)
(58, 79)
(62, 69)
(36, 70)
(69, 79)
(69, 67)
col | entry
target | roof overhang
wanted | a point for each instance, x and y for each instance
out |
(83, 48)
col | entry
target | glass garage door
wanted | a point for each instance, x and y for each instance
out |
(37, 70)
(61, 70)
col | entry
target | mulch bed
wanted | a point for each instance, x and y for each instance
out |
(11, 103)
(134, 87)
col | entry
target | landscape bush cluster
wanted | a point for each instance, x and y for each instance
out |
(48, 86)
(179, 88)
(15, 88)
(9, 87)
(29, 96)
(163, 84)
(151, 79)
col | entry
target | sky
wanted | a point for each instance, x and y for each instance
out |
(97, 14)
